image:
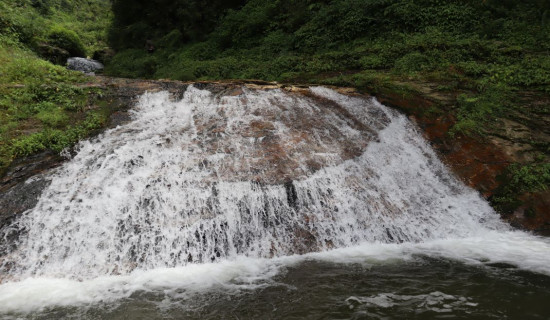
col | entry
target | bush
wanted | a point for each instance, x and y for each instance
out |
(531, 178)
(371, 61)
(133, 63)
(173, 39)
(413, 62)
(66, 39)
(519, 179)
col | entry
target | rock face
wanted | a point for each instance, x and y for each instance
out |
(84, 65)
(22, 184)
(284, 140)
(482, 162)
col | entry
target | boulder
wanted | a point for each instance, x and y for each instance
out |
(84, 65)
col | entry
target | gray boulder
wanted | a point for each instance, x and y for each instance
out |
(84, 65)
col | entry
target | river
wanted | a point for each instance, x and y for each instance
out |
(266, 204)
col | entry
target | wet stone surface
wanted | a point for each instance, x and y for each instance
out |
(22, 184)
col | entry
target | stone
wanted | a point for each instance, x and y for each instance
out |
(84, 65)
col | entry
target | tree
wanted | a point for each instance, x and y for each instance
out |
(136, 21)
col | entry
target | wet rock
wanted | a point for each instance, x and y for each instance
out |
(84, 65)
(481, 161)
(291, 195)
(22, 184)
(20, 198)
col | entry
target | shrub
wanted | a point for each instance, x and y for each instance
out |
(413, 62)
(371, 61)
(531, 178)
(172, 40)
(66, 39)
(133, 63)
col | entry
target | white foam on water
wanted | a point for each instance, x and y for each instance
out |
(181, 198)
(434, 301)
(242, 273)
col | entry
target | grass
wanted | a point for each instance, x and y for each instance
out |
(42, 106)
(77, 26)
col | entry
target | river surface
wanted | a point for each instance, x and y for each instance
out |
(440, 280)
(266, 204)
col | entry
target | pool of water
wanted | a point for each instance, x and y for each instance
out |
(419, 288)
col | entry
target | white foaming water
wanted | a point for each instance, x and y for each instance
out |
(435, 301)
(243, 273)
(225, 190)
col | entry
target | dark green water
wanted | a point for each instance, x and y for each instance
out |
(422, 288)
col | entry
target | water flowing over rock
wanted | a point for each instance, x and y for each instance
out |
(84, 65)
(240, 172)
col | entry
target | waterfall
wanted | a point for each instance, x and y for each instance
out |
(210, 178)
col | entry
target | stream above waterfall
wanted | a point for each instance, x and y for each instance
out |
(249, 203)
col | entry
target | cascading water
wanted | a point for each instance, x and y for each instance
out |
(233, 178)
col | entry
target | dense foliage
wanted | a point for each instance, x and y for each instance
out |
(339, 34)
(181, 21)
(76, 26)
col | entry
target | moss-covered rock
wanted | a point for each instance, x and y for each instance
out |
(53, 54)
(67, 40)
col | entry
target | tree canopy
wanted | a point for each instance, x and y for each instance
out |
(185, 20)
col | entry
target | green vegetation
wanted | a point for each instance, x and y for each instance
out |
(43, 106)
(66, 39)
(484, 41)
(54, 27)
(176, 21)
(521, 179)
